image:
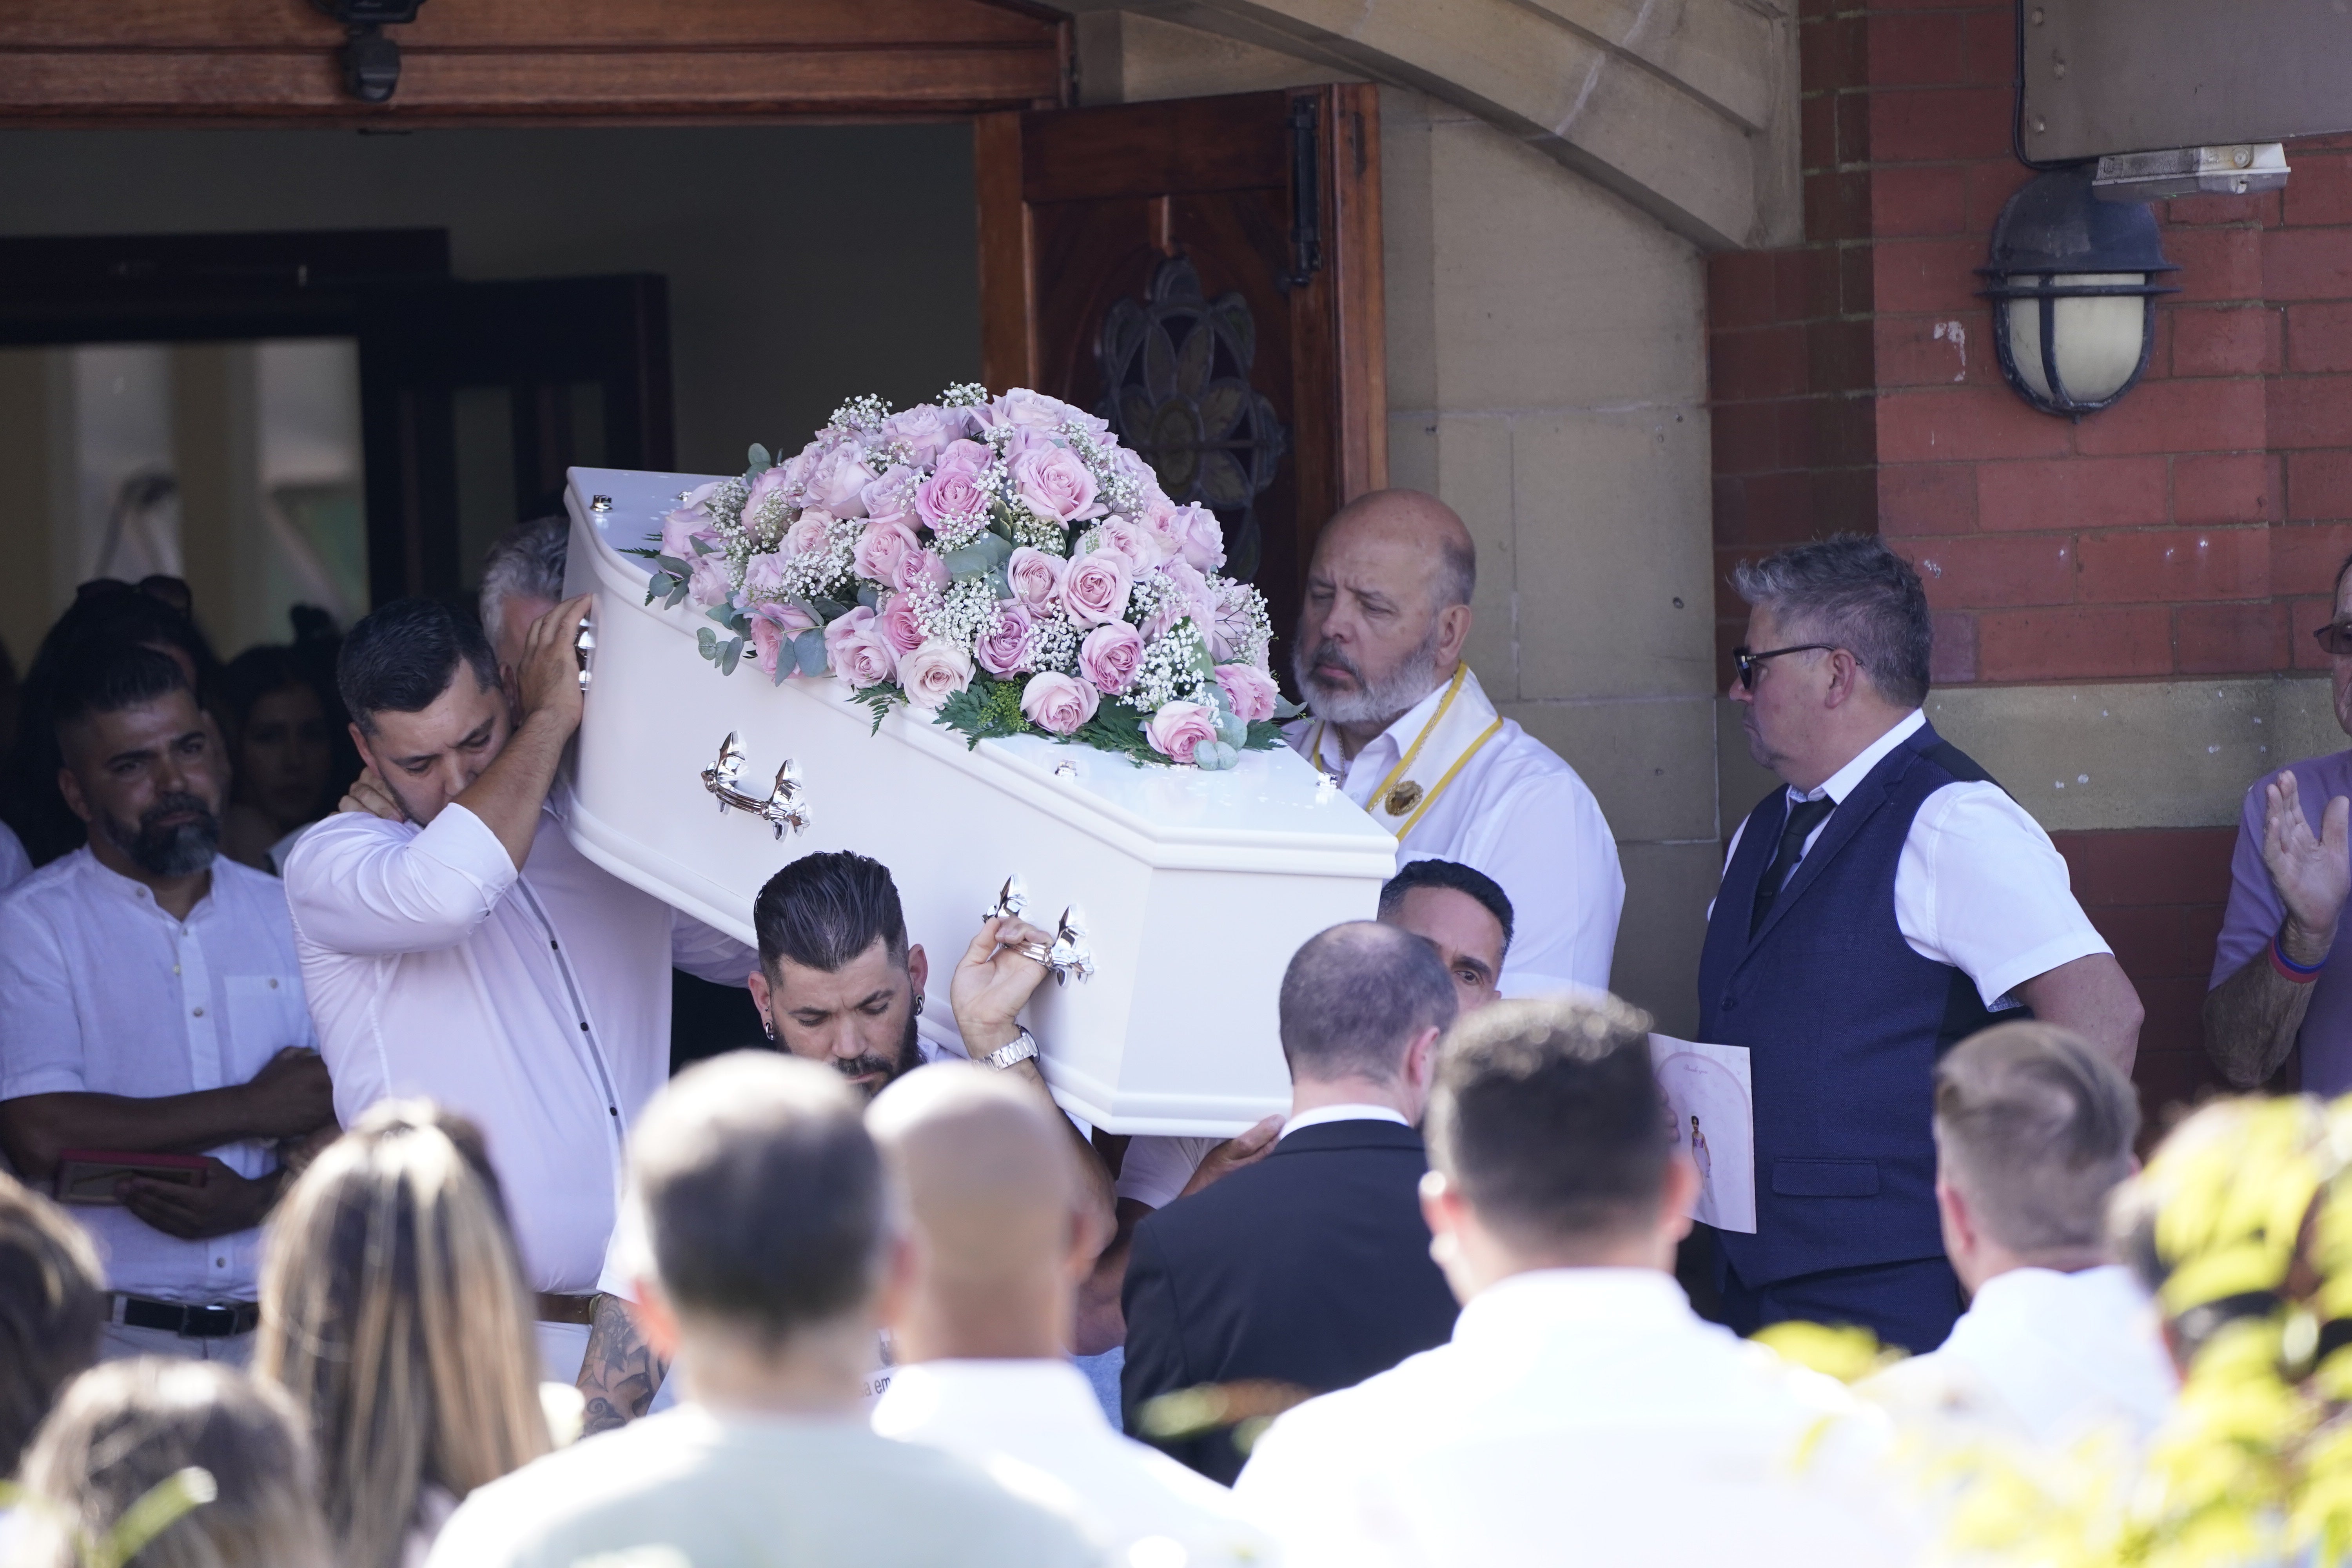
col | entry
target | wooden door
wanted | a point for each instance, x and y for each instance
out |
(476, 397)
(1205, 274)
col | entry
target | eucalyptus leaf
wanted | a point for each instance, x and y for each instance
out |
(706, 640)
(761, 461)
(808, 648)
(824, 609)
(677, 596)
(999, 585)
(980, 557)
(1284, 709)
(727, 660)
(673, 566)
(870, 596)
(701, 545)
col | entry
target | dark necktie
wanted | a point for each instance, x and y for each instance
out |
(1804, 817)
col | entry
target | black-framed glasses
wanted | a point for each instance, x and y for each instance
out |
(1745, 660)
(2334, 638)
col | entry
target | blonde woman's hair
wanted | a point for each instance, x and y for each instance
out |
(216, 1458)
(393, 1310)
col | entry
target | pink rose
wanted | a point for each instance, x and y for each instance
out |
(1094, 589)
(891, 498)
(949, 496)
(920, 572)
(1004, 650)
(1022, 409)
(1052, 482)
(797, 468)
(1058, 702)
(857, 650)
(879, 550)
(763, 576)
(690, 522)
(1250, 689)
(1133, 540)
(924, 429)
(774, 628)
(1108, 656)
(900, 626)
(1192, 599)
(969, 458)
(709, 586)
(837, 483)
(1233, 626)
(810, 533)
(933, 673)
(1035, 576)
(1204, 538)
(1165, 524)
(1179, 727)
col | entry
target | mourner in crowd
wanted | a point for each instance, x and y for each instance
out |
(129, 1434)
(1005, 1235)
(152, 1004)
(281, 749)
(52, 1302)
(1580, 1410)
(1400, 720)
(1890, 900)
(2273, 988)
(1311, 1267)
(522, 580)
(393, 1312)
(457, 947)
(1460, 911)
(771, 1308)
(2033, 1135)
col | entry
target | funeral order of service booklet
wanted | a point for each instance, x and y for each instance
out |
(1710, 1099)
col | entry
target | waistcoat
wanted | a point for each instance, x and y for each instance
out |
(1843, 1021)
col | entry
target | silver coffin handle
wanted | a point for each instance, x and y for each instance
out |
(584, 645)
(784, 807)
(1067, 956)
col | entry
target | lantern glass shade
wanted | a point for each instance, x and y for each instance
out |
(2097, 339)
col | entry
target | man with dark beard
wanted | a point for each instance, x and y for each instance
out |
(151, 1003)
(1399, 720)
(839, 982)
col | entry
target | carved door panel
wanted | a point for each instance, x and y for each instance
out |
(1205, 274)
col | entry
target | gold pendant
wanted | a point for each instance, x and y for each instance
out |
(1403, 798)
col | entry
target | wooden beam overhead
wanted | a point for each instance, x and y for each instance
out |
(221, 61)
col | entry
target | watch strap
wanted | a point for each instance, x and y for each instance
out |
(1023, 1047)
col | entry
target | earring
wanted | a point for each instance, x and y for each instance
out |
(769, 1025)
(918, 1004)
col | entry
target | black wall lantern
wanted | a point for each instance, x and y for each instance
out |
(371, 60)
(2073, 281)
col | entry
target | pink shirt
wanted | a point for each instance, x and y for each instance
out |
(2255, 914)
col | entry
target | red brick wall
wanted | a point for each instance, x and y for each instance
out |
(2192, 530)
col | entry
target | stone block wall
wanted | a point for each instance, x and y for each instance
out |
(2123, 604)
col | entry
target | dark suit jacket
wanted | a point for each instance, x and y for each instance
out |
(1311, 1267)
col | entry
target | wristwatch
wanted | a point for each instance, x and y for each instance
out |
(1022, 1049)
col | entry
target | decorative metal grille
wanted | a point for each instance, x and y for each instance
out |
(1175, 376)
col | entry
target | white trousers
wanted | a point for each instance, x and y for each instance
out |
(561, 1348)
(119, 1341)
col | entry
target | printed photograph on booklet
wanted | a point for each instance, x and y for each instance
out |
(89, 1175)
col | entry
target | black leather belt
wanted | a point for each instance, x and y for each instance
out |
(213, 1321)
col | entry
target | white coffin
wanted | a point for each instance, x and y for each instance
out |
(1196, 888)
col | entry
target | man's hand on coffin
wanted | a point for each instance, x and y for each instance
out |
(367, 793)
(548, 681)
(507, 795)
(1245, 1148)
(225, 1204)
(993, 982)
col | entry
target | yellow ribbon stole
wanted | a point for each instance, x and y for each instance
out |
(1409, 800)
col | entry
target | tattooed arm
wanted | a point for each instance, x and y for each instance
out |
(621, 1374)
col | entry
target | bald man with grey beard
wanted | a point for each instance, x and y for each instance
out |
(1398, 719)
(1004, 1232)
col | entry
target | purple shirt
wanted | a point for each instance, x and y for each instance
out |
(2255, 914)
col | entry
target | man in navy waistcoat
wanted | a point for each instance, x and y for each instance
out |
(1887, 903)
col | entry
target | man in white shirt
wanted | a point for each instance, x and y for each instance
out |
(456, 946)
(151, 1003)
(15, 864)
(1004, 1232)
(1883, 905)
(1401, 722)
(1580, 1412)
(2034, 1133)
(778, 1247)
(1464, 914)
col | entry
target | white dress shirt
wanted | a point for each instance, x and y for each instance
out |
(2046, 1356)
(1348, 1113)
(1578, 1415)
(1519, 813)
(1978, 885)
(1043, 1415)
(536, 1003)
(15, 864)
(103, 992)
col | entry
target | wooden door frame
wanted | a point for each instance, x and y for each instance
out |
(1339, 315)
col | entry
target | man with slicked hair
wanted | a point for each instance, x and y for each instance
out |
(1003, 1234)
(1399, 718)
(1580, 1412)
(1310, 1268)
(2033, 1135)
(1460, 911)
(777, 1248)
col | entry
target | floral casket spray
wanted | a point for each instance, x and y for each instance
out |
(973, 640)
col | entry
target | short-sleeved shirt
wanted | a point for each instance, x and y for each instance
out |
(2256, 912)
(102, 992)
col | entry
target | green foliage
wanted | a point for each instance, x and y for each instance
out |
(1264, 735)
(879, 701)
(986, 707)
(1118, 729)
